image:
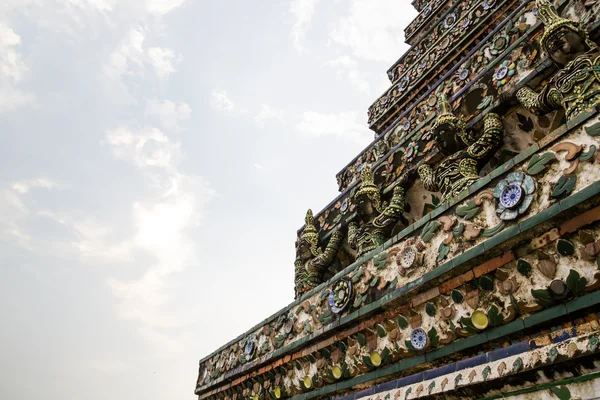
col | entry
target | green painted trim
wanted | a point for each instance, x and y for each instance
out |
(538, 219)
(461, 345)
(482, 23)
(527, 224)
(491, 65)
(544, 386)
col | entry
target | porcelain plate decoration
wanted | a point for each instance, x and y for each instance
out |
(250, 347)
(511, 195)
(515, 194)
(340, 295)
(418, 338)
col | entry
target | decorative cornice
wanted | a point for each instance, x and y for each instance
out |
(407, 288)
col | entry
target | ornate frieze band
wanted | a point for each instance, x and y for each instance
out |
(449, 239)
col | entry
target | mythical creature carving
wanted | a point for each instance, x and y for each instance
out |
(465, 154)
(576, 86)
(376, 218)
(311, 261)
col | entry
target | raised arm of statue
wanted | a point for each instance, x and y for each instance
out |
(332, 248)
(491, 139)
(352, 234)
(426, 174)
(392, 212)
(540, 103)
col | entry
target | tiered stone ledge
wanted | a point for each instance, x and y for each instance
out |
(417, 293)
(416, 122)
(434, 10)
(395, 139)
(418, 66)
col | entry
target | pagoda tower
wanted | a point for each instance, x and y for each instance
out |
(461, 259)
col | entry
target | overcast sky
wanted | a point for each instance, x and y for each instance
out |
(157, 157)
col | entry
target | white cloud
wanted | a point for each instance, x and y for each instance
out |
(162, 6)
(12, 69)
(99, 5)
(145, 148)
(131, 57)
(266, 113)
(11, 64)
(88, 236)
(344, 124)
(161, 226)
(128, 55)
(12, 98)
(13, 210)
(163, 60)
(303, 11)
(94, 239)
(170, 114)
(23, 187)
(374, 29)
(220, 100)
(348, 67)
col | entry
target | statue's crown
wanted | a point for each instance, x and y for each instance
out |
(310, 234)
(367, 186)
(447, 117)
(547, 13)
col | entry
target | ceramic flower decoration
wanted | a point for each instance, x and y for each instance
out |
(250, 347)
(418, 338)
(410, 256)
(503, 73)
(340, 295)
(515, 194)
(412, 150)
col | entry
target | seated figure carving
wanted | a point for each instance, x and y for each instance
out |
(465, 154)
(576, 86)
(311, 261)
(376, 218)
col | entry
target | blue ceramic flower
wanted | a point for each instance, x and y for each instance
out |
(340, 295)
(250, 347)
(418, 338)
(515, 194)
(487, 4)
(403, 84)
(449, 20)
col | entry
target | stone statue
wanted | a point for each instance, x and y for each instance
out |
(576, 86)
(376, 219)
(311, 261)
(465, 154)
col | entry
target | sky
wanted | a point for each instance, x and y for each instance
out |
(156, 160)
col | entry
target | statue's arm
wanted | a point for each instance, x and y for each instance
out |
(426, 174)
(352, 233)
(540, 103)
(491, 139)
(332, 248)
(299, 276)
(393, 211)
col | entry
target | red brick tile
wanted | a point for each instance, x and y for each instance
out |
(425, 296)
(493, 264)
(456, 282)
(581, 220)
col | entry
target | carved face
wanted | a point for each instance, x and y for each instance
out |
(447, 139)
(565, 45)
(303, 251)
(366, 207)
